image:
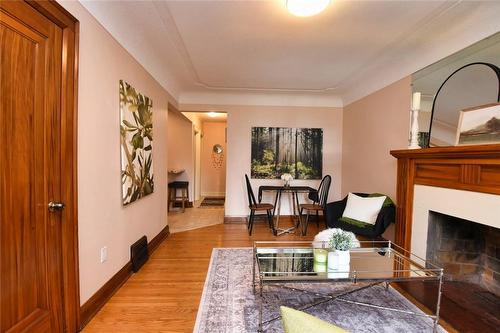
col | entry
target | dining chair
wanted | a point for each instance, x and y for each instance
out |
(256, 207)
(318, 204)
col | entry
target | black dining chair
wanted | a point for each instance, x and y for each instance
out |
(256, 207)
(318, 204)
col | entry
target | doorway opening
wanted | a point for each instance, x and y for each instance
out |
(201, 161)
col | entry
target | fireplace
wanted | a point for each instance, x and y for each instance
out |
(453, 181)
(468, 251)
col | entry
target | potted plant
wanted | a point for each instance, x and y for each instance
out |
(340, 243)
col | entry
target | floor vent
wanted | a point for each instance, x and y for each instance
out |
(139, 253)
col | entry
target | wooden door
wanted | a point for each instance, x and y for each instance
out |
(33, 172)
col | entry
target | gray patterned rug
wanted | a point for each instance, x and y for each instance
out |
(229, 305)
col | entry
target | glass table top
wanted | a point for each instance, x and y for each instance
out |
(299, 261)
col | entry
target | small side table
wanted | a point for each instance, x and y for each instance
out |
(173, 188)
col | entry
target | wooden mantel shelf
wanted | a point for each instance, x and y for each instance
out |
(492, 151)
(469, 168)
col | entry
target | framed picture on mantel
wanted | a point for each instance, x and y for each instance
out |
(479, 125)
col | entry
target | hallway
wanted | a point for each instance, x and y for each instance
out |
(195, 217)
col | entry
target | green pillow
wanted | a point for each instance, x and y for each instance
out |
(295, 321)
(357, 223)
(388, 201)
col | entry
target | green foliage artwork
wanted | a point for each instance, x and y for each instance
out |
(136, 136)
(278, 150)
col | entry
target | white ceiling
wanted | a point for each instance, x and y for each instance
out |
(207, 116)
(429, 79)
(254, 52)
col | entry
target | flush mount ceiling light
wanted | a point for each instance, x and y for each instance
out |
(306, 7)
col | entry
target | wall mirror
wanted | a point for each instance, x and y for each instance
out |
(472, 85)
(466, 79)
(217, 149)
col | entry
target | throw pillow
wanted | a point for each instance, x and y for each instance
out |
(295, 321)
(363, 209)
(388, 201)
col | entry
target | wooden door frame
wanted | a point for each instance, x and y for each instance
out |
(69, 191)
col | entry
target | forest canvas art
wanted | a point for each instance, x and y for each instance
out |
(278, 150)
(136, 137)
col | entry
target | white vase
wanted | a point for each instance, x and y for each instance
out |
(338, 259)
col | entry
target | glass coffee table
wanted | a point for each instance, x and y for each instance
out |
(282, 263)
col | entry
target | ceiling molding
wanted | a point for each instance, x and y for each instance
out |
(175, 36)
(260, 99)
(159, 47)
(482, 24)
(173, 32)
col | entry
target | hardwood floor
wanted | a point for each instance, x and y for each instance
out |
(164, 295)
(468, 307)
(194, 218)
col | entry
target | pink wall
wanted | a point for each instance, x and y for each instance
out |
(239, 123)
(240, 120)
(102, 220)
(180, 149)
(213, 179)
(372, 127)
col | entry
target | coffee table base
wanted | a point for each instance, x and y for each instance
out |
(339, 297)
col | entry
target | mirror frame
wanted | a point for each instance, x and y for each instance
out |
(216, 148)
(492, 66)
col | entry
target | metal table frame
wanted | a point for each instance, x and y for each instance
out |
(400, 273)
(294, 190)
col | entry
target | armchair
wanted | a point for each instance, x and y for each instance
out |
(386, 216)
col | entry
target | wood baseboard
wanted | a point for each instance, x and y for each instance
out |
(235, 219)
(156, 241)
(90, 308)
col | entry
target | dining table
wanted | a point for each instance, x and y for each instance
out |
(294, 191)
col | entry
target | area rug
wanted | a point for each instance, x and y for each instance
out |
(213, 201)
(229, 305)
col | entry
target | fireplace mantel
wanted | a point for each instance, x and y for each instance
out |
(469, 168)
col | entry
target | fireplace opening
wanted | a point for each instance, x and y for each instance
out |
(467, 251)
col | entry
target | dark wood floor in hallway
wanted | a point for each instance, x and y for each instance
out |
(164, 295)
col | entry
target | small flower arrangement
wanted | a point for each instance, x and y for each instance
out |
(341, 240)
(287, 178)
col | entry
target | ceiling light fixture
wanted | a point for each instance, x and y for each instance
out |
(306, 7)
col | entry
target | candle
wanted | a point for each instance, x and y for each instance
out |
(415, 103)
(319, 267)
(320, 255)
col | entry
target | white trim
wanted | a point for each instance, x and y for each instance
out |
(478, 207)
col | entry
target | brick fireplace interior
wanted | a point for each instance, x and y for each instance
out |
(469, 254)
(468, 251)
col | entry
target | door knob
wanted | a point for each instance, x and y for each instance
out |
(56, 206)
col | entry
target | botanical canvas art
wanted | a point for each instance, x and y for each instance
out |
(479, 125)
(279, 150)
(136, 135)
